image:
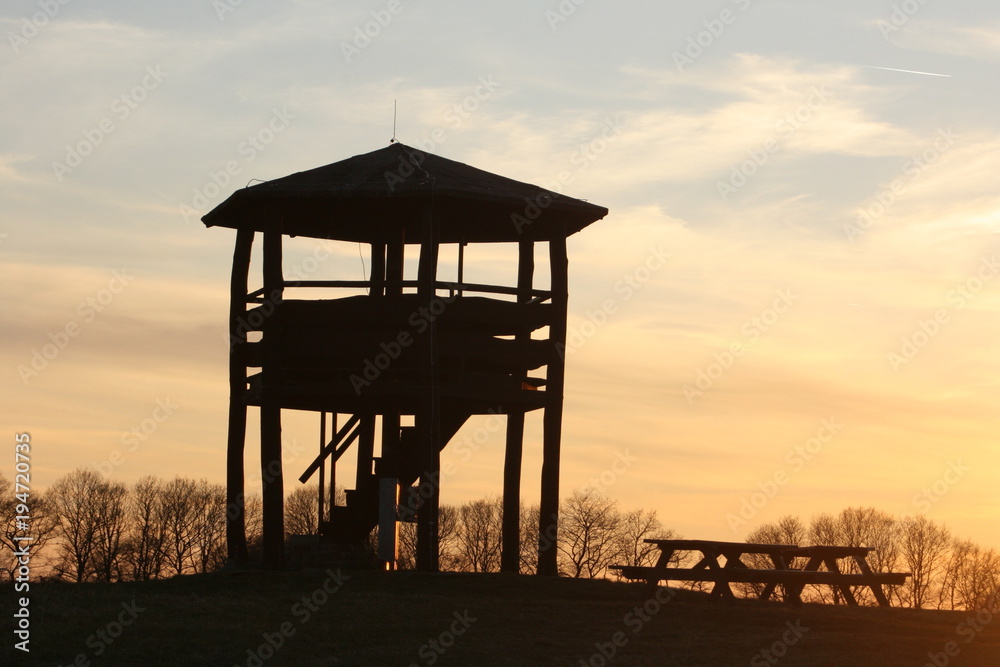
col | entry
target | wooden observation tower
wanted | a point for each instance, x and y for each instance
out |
(407, 359)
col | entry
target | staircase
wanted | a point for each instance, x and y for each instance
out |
(353, 523)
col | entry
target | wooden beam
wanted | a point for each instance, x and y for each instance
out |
(322, 472)
(394, 255)
(332, 447)
(236, 534)
(272, 483)
(333, 469)
(552, 419)
(366, 450)
(428, 419)
(378, 270)
(510, 547)
(539, 294)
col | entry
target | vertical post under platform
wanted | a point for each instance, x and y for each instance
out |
(548, 528)
(428, 419)
(272, 484)
(510, 530)
(236, 532)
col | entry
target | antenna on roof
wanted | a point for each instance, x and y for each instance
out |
(393, 140)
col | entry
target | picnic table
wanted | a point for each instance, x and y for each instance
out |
(734, 569)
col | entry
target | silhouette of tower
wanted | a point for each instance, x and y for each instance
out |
(408, 358)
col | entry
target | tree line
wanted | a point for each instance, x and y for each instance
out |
(946, 571)
(87, 527)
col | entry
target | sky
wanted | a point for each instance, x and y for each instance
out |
(792, 307)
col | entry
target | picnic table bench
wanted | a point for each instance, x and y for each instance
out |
(782, 557)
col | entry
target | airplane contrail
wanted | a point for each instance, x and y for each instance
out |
(908, 71)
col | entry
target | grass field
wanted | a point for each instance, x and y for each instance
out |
(406, 618)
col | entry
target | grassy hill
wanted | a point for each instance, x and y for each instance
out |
(406, 618)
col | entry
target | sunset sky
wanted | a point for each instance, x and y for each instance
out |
(797, 289)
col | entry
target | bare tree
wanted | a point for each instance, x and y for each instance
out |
(210, 527)
(406, 558)
(977, 576)
(449, 530)
(529, 538)
(112, 524)
(302, 510)
(924, 549)
(253, 514)
(144, 547)
(633, 529)
(76, 499)
(40, 526)
(824, 530)
(788, 530)
(479, 535)
(180, 517)
(587, 534)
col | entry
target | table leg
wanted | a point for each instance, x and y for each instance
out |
(876, 587)
(845, 589)
(661, 564)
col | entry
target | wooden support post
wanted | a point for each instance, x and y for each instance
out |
(428, 419)
(366, 450)
(378, 270)
(333, 469)
(236, 534)
(388, 474)
(395, 253)
(510, 530)
(548, 529)
(389, 461)
(321, 496)
(272, 483)
(510, 548)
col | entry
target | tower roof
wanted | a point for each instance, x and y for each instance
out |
(376, 196)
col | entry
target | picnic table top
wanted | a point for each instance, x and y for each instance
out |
(712, 545)
(750, 547)
(830, 551)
